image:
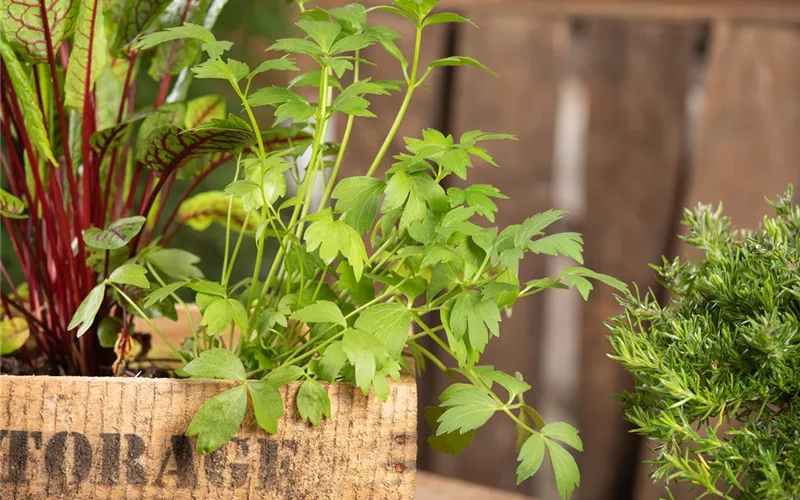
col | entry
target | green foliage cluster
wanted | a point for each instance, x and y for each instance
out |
(716, 368)
(384, 254)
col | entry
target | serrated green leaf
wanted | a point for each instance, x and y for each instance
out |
(322, 311)
(468, 408)
(207, 287)
(566, 470)
(130, 274)
(452, 443)
(461, 61)
(31, 114)
(162, 293)
(563, 432)
(335, 237)
(284, 375)
(282, 64)
(217, 316)
(118, 234)
(361, 291)
(439, 253)
(351, 43)
(267, 405)
(332, 362)
(216, 363)
(357, 198)
(217, 421)
(566, 244)
(176, 263)
(389, 323)
(313, 402)
(534, 225)
(472, 316)
(577, 277)
(137, 18)
(364, 352)
(513, 385)
(188, 30)
(445, 17)
(86, 312)
(323, 32)
(530, 457)
(239, 316)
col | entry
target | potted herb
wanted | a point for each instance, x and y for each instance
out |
(320, 334)
(716, 367)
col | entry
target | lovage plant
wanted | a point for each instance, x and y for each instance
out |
(716, 368)
(349, 281)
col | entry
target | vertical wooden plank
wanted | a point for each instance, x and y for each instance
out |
(749, 137)
(526, 52)
(636, 75)
(424, 111)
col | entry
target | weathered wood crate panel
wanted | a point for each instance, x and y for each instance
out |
(87, 438)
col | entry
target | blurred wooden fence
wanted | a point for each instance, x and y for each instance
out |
(627, 111)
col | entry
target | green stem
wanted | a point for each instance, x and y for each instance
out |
(236, 249)
(228, 228)
(182, 303)
(152, 326)
(412, 85)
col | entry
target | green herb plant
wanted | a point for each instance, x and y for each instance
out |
(716, 373)
(350, 280)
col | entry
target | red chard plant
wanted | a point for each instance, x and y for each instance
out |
(88, 171)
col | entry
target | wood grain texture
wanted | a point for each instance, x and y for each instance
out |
(784, 11)
(636, 76)
(749, 133)
(526, 52)
(82, 438)
(434, 487)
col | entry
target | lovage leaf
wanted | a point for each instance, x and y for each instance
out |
(162, 293)
(566, 244)
(577, 277)
(452, 443)
(218, 316)
(415, 192)
(313, 402)
(14, 332)
(84, 316)
(357, 198)
(216, 363)
(390, 323)
(563, 432)
(88, 55)
(284, 375)
(31, 114)
(323, 32)
(11, 206)
(321, 311)
(22, 23)
(218, 419)
(534, 225)
(365, 353)
(267, 405)
(468, 408)
(130, 274)
(335, 237)
(530, 457)
(176, 263)
(118, 234)
(568, 476)
(331, 362)
(473, 316)
(170, 147)
(461, 61)
(188, 30)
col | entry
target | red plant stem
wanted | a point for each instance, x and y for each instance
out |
(132, 193)
(8, 278)
(113, 163)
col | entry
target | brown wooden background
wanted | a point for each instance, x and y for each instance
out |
(627, 111)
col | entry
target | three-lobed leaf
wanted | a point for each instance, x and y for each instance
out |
(130, 274)
(87, 310)
(322, 311)
(267, 405)
(217, 421)
(313, 402)
(216, 363)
